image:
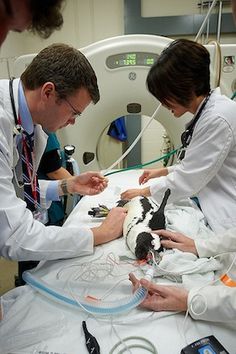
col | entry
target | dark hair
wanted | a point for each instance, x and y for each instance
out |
(181, 71)
(46, 16)
(66, 67)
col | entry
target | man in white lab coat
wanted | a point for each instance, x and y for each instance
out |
(54, 89)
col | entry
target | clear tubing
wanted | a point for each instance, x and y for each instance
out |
(135, 141)
(100, 308)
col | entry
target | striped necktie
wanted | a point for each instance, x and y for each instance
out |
(31, 187)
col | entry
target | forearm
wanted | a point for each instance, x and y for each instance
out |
(145, 192)
(99, 236)
(61, 173)
(160, 172)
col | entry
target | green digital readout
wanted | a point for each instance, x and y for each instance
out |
(131, 59)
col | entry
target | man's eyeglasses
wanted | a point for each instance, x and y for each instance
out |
(74, 110)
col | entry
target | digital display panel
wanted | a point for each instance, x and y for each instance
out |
(131, 59)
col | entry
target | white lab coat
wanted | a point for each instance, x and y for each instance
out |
(209, 167)
(22, 237)
(216, 302)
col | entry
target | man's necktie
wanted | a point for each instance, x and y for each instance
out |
(31, 187)
(31, 191)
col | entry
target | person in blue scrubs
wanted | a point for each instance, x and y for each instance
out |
(51, 167)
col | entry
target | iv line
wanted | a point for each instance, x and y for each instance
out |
(136, 140)
(142, 165)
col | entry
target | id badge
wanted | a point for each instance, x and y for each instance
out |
(41, 215)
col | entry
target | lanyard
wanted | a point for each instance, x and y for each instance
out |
(30, 165)
(186, 136)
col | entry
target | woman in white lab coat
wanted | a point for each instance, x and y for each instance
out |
(208, 171)
(215, 302)
(180, 80)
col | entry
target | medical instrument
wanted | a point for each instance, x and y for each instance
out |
(228, 281)
(18, 129)
(226, 277)
(91, 342)
(206, 345)
(94, 307)
(128, 81)
(187, 134)
(73, 168)
(70, 165)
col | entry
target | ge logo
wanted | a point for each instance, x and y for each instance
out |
(132, 76)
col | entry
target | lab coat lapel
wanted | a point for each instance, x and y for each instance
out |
(40, 141)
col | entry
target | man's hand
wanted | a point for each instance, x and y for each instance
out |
(112, 226)
(88, 183)
(177, 240)
(161, 297)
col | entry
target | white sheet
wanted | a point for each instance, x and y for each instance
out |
(31, 314)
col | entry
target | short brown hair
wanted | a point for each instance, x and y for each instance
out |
(181, 71)
(66, 67)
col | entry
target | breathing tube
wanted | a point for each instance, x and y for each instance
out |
(98, 307)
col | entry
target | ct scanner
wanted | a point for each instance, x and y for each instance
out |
(121, 64)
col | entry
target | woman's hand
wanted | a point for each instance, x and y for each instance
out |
(177, 240)
(132, 193)
(152, 173)
(161, 297)
(88, 183)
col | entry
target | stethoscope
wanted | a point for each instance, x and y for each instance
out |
(186, 136)
(18, 130)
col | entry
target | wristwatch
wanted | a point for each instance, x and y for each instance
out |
(64, 186)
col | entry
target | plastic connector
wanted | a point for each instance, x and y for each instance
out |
(149, 274)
